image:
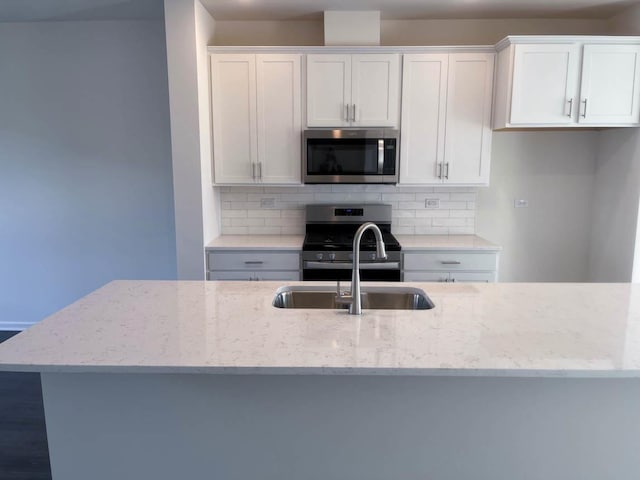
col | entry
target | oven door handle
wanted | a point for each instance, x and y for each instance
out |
(349, 265)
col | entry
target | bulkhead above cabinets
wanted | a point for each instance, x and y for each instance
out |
(567, 81)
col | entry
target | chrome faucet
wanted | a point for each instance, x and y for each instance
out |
(354, 300)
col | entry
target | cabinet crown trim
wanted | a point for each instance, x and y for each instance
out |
(351, 49)
(541, 39)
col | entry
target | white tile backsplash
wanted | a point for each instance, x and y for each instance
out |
(242, 212)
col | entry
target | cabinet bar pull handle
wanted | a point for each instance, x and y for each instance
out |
(353, 115)
(259, 170)
(450, 262)
(584, 112)
(346, 112)
(446, 171)
(380, 156)
(253, 170)
(439, 170)
(253, 262)
(570, 101)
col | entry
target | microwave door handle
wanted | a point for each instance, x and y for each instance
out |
(380, 156)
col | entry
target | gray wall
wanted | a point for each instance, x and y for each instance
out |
(85, 162)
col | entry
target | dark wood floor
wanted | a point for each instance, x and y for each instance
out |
(23, 437)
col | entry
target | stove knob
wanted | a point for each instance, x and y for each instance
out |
(332, 256)
(319, 256)
(372, 256)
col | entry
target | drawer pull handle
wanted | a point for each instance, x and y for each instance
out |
(253, 262)
(450, 262)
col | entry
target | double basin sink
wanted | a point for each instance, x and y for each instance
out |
(385, 298)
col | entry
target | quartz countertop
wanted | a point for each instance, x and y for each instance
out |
(519, 330)
(408, 242)
(256, 242)
(445, 242)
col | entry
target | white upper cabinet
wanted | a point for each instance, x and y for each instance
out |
(424, 103)
(567, 82)
(610, 92)
(467, 147)
(446, 119)
(279, 118)
(328, 90)
(256, 110)
(544, 83)
(233, 95)
(353, 90)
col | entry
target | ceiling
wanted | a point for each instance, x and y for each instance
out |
(52, 10)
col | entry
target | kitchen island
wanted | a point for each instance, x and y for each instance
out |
(169, 380)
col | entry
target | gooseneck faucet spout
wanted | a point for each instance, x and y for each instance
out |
(356, 301)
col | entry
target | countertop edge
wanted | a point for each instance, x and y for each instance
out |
(321, 371)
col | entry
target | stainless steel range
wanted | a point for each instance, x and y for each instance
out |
(328, 244)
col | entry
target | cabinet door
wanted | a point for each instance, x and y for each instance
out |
(328, 90)
(467, 149)
(424, 100)
(279, 118)
(545, 82)
(610, 85)
(233, 90)
(375, 90)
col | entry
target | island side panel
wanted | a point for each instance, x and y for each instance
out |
(225, 427)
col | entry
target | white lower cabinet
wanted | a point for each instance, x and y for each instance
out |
(450, 266)
(253, 265)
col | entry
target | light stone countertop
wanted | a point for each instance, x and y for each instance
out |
(445, 242)
(257, 242)
(518, 330)
(408, 242)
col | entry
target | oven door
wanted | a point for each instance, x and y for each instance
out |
(333, 271)
(350, 156)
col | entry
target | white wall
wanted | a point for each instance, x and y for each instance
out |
(85, 162)
(615, 212)
(481, 31)
(180, 24)
(269, 33)
(405, 32)
(554, 171)
(627, 22)
(205, 30)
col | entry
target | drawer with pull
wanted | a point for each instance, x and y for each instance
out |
(450, 261)
(252, 261)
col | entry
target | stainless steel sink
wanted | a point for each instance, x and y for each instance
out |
(384, 298)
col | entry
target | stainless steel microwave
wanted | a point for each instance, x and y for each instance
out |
(350, 156)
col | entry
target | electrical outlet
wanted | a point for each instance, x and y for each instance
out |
(267, 202)
(520, 203)
(432, 203)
